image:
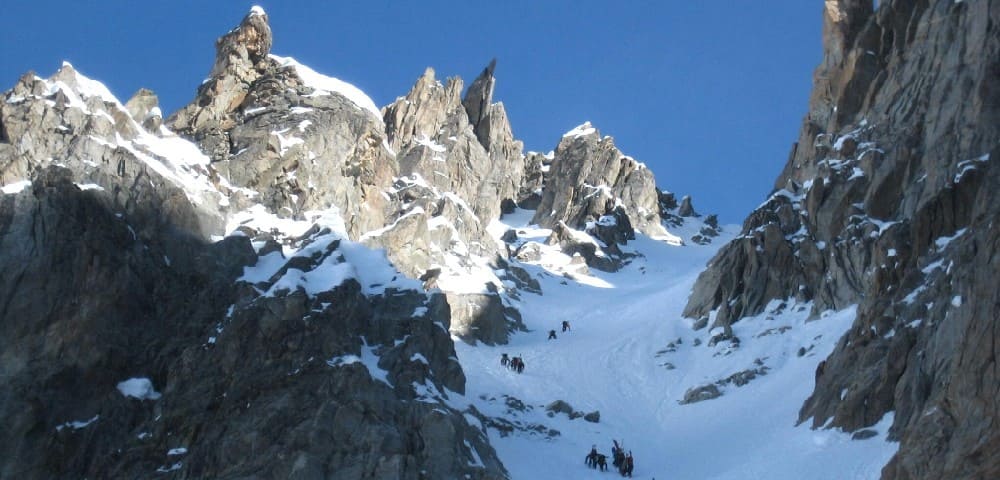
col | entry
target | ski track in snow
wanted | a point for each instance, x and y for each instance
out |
(608, 362)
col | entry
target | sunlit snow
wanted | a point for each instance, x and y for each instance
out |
(631, 356)
(325, 84)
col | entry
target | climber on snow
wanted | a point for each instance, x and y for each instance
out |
(626, 467)
(591, 459)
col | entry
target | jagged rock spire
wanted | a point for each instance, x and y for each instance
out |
(240, 59)
(480, 95)
(244, 46)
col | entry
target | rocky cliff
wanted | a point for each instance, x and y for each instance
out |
(266, 282)
(888, 201)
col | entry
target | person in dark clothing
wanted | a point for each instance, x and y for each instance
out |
(504, 360)
(592, 457)
(602, 462)
(565, 325)
(552, 334)
(517, 365)
(617, 458)
(627, 465)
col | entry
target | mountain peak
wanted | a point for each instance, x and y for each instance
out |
(257, 10)
(479, 97)
(244, 46)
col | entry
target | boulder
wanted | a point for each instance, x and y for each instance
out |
(700, 393)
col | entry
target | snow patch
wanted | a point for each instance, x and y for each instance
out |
(580, 131)
(78, 424)
(325, 85)
(16, 187)
(140, 388)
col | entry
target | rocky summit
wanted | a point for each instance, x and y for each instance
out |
(284, 280)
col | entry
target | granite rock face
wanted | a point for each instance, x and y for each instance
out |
(271, 126)
(593, 187)
(888, 202)
(304, 380)
(589, 177)
(143, 341)
(73, 121)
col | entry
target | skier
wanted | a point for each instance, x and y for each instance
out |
(504, 360)
(552, 334)
(565, 325)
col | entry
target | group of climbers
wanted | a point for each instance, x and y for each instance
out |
(514, 363)
(565, 328)
(622, 461)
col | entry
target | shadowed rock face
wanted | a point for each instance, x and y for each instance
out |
(888, 201)
(107, 277)
(238, 372)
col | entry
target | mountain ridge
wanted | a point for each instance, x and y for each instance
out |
(300, 177)
(327, 285)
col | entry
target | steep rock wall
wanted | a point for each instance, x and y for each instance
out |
(888, 200)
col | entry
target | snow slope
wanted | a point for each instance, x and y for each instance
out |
(617, 359)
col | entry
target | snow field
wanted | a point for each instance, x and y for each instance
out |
(613, 361)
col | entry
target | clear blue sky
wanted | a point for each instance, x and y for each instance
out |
(709, 94)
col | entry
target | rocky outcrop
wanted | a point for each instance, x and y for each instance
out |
(144, 107)
(241, 58)
(442, 168)
(530, 193)
(482, 317)
(888, 201)
(589, 178)
(461, 146)
(74, 122)
(299, 140)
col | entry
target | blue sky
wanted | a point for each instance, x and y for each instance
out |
(709, 94)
